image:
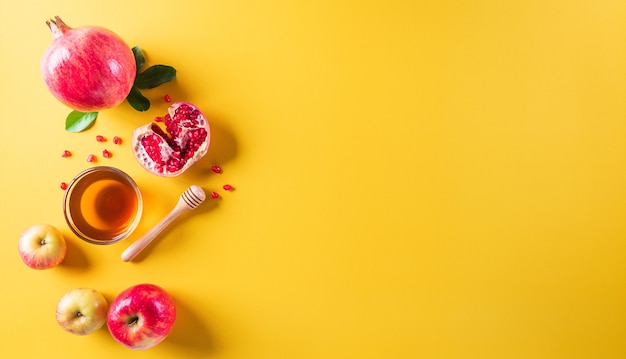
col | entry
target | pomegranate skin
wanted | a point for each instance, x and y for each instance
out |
(87, 68)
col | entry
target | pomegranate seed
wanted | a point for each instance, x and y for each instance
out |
(158, 119)
(167, 98)
(100, 138)
(106, 154)
(91, 158)
(214, 195)
(228, 187)
(63, 186)
(216, 169)
(66, 153)
(117, 140)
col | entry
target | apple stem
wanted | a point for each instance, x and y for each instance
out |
(133, 322)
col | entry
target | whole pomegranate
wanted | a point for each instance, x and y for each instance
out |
(171, 151)
(88, 68)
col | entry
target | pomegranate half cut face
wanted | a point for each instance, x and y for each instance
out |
(170, 150)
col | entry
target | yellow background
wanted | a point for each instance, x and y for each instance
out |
(414, 179)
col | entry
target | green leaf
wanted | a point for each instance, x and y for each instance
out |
(78, 121)
(138, 100)
(139, 59)
(154, 76)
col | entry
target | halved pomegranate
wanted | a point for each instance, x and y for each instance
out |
(171, 150)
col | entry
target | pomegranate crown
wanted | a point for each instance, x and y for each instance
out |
(57, 26)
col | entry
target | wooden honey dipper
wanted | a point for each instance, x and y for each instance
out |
(190, 199)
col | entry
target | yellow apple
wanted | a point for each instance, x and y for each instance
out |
(42, 246)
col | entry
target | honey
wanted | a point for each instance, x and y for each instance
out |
(102, 205)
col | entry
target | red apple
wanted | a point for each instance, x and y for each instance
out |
(141, 316)
(42, 246)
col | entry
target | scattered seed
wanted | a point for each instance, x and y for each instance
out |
(228, 187)
(91, 158)
(106, 154)
(100, 138)
(63, 186)
(214, 195)
(117, 140)
(158, 119)
(216, 169)
(66, 153)
(167, 98)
